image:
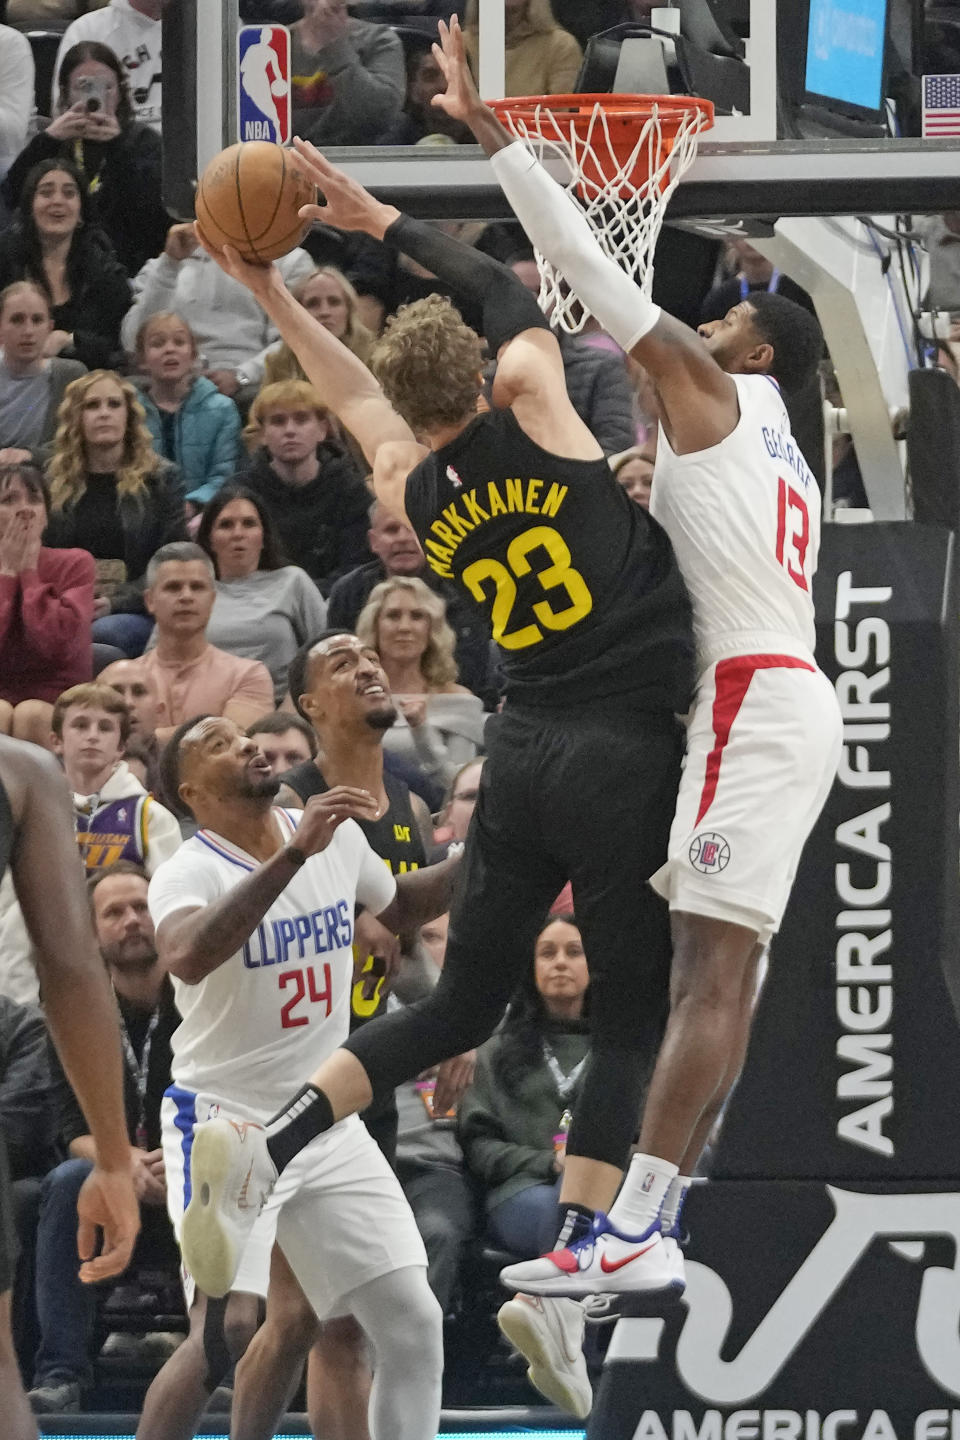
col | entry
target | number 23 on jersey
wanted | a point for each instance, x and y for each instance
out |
(558, 576)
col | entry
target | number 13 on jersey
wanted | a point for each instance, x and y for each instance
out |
(793, 533)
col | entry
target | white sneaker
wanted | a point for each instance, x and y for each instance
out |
(674, 1258)
(604, 1260)
(231, 1177)
(549, 1333)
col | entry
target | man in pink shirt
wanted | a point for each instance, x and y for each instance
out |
(191, 676)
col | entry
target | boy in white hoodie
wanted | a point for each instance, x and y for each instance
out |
(116, 818)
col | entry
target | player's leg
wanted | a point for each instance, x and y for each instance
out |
(18, 1421)
(371, 1264)
(6, 717)
(220, 1331)
(620, 840)
(738, 1055)
(270, 1370)
(753, 787)
(340, 1381)
(403, 1321)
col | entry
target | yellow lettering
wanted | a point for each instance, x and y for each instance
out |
(439, 569)
(402, 834)
(441, 551)
(553, 499)
(445, 533)
(497, 506)
(514, 494)
(473, 508)
(533, 489)
(457, 521)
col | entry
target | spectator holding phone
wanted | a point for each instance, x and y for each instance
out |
(119, 158)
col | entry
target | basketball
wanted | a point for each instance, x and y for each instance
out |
(248, 197)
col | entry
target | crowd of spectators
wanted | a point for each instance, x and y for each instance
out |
(180, 514)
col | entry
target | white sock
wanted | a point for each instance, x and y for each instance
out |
(673, 1202)
(642, 1194)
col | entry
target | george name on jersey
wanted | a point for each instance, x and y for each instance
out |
(274, 942)
(476, 508)
(781, 447)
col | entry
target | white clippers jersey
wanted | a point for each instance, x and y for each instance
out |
(744, 520)
(265, 1019)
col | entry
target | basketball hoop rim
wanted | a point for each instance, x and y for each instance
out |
(618, 106)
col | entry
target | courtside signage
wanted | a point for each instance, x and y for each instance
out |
(263, 83)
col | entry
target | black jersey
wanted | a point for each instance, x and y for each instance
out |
(580, 585)
(395, 837)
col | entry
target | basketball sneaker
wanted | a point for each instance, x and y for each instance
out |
(231, 1177)
(603, 1260)
(673, 1243)
(549, 1334)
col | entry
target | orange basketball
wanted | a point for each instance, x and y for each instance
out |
(249, 196)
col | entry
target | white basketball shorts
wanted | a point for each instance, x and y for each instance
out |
(763, 747)
(337, 1212)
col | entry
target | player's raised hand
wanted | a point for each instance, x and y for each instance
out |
(322, 815)
(260, 280)
(107, 1202)
(461, 97)
(348, 205)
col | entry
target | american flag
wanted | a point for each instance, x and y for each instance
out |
(941, 106)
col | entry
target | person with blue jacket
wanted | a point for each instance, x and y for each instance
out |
(192, 423)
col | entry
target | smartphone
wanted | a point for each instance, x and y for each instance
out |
(92, 89)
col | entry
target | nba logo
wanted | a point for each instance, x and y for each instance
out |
(263, 83)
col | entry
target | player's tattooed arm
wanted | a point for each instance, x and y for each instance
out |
(194, 942)
(421, 895)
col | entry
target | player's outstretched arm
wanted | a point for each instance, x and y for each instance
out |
(80, 1008)
(345, 383)
(421, 896)
(508, 308)
(698, 398)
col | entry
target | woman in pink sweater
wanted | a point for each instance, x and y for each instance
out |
(46, 609)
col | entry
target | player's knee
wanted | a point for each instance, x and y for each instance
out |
(417, 1347)
(240, 1323)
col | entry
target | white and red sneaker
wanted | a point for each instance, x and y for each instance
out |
(604, 1260)
(231, 1178)
(549, 1334)
(674, 1241)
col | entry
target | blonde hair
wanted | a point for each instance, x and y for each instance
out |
(428, 361)
(282, 364)
(281, 392)
(437, 664)
(68, 467)
(140, 344)
(15, 287)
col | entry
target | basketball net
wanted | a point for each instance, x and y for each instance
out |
(624, 158)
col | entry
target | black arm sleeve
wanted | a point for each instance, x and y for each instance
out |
(508, 307)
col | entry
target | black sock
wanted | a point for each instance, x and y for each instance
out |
(307, 1115)
(573, 1222)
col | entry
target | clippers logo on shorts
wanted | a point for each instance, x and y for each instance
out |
(709, 853)
(263, 88)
